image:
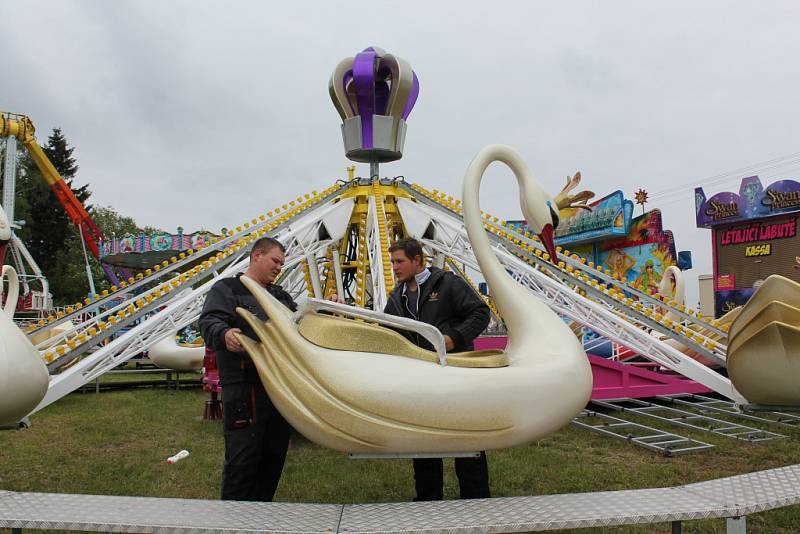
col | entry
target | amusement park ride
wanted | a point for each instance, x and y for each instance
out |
(337, 242)
(15, 127)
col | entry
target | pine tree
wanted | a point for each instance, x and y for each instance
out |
(48, 232)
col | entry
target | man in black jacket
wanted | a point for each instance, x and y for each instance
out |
(444, 300)
(256, 435)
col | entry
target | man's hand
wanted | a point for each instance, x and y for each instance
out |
(333, 297)
(448, 343)
(231, 343)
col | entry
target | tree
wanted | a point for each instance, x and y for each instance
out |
(51, 237)
(47, 225)
(110, 222)
(68, 279)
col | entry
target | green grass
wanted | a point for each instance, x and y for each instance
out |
(116, 443)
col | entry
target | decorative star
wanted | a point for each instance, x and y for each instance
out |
(641, 197)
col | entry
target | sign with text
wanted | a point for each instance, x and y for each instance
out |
(725, 282)
(747, 252)
(759, 231)
(764, 249)
(753, 201)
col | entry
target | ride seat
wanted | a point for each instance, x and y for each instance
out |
(339, 333)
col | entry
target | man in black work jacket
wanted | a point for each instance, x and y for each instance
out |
(256, 435)
(444, 300)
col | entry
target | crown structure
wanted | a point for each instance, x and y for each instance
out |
(374, 92)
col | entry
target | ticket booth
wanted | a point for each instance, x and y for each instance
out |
(754, 234)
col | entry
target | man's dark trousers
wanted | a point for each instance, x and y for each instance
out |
(473, 478)
(256, 440)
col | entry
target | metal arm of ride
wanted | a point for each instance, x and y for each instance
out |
(179, 313)
(106, 324)
(700, 340)
(21, 127)
(642, 296)
(451, 240)
(375, 251)
(215, 248)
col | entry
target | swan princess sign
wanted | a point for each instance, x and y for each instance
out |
(752, 201)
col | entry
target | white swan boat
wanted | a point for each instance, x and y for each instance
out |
(169, 354)
(356, 387)
(23, 375)
(673, 287)
(764, 345)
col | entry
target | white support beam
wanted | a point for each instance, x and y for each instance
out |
(375, 248)
(181, 312)
(454, 243)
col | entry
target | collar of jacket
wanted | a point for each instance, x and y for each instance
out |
(425, 289)
(421, 278)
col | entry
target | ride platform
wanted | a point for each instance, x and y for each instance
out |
(613, 380)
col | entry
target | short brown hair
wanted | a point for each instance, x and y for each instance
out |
(410, 247)
(265, 244)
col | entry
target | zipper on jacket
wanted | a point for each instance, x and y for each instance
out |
(404, 298)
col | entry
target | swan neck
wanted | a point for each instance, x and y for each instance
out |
(502, 286)
(12, 295)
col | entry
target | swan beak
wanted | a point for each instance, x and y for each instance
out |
(546, 236)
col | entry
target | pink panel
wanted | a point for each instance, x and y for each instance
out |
(614, 379)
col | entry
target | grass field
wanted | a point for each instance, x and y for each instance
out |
(116, 443)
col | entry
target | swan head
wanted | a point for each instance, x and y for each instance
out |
(540, 211)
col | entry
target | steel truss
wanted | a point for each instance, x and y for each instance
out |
(450, 238)
(650, 438)
(179, 313)
(95, 328)
(602, 286)
(301, 237)
(188, 259)
(695, 421)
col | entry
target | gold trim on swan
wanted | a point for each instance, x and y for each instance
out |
(339, 333)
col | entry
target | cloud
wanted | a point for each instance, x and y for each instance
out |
(205, 114)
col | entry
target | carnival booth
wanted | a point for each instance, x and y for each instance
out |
(140, 252)
(635, 250)
(754, 234)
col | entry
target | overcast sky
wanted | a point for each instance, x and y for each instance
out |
(204, 114)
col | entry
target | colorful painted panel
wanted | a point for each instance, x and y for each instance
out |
(610, 216)
(642, 265)
(641, 256)
(158, 242)
(646, 228)
(725, 301)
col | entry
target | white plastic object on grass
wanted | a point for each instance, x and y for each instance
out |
(178, 457)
